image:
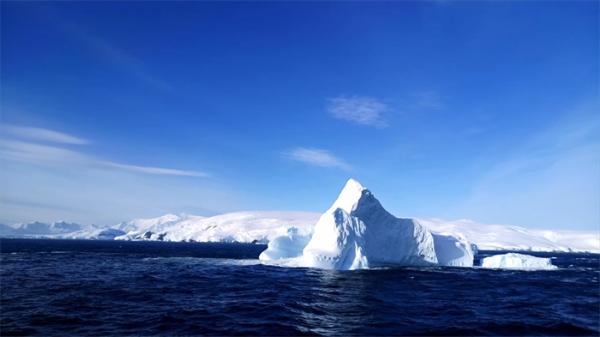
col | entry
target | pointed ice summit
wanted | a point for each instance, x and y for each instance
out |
(356, 232)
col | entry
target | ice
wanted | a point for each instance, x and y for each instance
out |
(454, 251)
(449, 237)
(356, 232)
(517, 261)
(286, 246)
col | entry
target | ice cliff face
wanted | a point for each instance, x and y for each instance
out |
(356, 232)
(453, 251)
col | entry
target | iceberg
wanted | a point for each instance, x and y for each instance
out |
(286, 246)
(517, 261)
(356, 232)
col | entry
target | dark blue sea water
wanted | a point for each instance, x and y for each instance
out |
(79, 288)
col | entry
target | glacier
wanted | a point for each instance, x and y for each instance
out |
(517, 261)
(356, 232)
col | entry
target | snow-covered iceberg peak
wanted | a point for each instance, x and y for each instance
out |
(349, 197)
(356, 232)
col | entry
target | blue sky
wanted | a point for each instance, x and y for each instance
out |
(480, 110)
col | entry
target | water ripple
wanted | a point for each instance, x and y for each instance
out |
(120, 292)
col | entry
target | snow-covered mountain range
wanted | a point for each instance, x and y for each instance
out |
(257, 227)
(263, 226)
(504, 237)
(59, 230)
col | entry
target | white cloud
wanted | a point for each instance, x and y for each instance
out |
(358, 109)
(40, 134)
(37, 153)
(17, 150)
(316, 157)
(155, 170)
(106, 196)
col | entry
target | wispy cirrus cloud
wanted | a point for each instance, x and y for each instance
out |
(39, 134)
(361, 110)
(316, 157)
(19, 146)
(371, 111)
(155, 170)
(24, 151)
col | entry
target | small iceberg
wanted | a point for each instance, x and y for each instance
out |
(285, 246)
(517, 261)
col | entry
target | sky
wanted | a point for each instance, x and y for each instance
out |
(456, 110)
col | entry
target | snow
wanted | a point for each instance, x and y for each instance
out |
(246, 227)
(261, 226)
(356, 232)
(504, 237)
(140, 226)
(108, 234)
(517, 261)
(265, 226)
(59, 230)
(38, 229)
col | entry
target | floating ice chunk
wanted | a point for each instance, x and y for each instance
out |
(286, 246)
(517, 261)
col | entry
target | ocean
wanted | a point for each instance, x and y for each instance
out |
(84, 288)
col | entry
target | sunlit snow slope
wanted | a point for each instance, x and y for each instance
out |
(263, 226)
(503, 237)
